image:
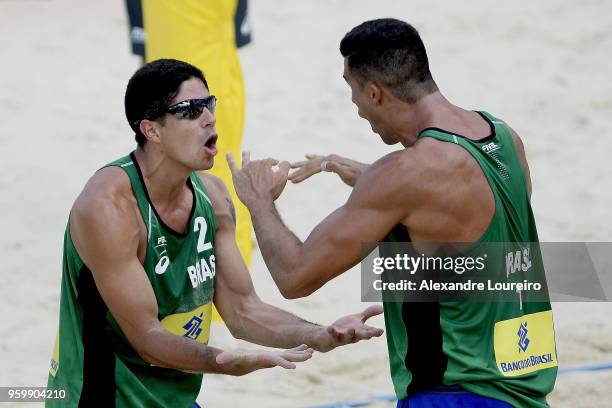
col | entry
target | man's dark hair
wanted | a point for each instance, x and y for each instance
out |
(152, 88)
(391, 53)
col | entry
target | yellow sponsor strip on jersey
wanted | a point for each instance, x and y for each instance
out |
(525, 344)
(194, 324)
(55, 355)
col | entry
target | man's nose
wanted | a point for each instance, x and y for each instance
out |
(207, 118)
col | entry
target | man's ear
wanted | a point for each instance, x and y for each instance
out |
(374, 93)
(149, 129)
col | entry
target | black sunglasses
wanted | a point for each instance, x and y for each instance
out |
(187, 109)
(192, 108)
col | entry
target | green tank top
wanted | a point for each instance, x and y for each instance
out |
(503, 350)
(92, 359)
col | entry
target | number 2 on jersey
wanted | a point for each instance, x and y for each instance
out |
(200, 225)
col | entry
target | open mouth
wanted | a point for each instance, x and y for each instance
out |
(211, 144)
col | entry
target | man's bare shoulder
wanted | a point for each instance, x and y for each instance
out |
(108, 186)
(389, 181)
(520, 151)
(440, 160)
(214, 184)
(215, 187)
(404, 168)
(518, 142)
(219, 195)
(106, 210)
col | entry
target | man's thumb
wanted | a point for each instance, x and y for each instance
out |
(284, 167)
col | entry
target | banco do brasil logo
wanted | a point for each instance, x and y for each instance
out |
(193, 328)
(523, 341)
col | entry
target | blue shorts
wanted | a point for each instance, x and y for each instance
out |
(450, 397)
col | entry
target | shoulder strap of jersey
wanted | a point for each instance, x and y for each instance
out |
(199, 187)
(203, 196)
(129, 165)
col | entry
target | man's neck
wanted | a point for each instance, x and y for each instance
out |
(426, 112)
(165, 179)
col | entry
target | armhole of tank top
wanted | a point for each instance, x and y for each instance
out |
(444, 137)
(502, 132)
(73, 248)
(199, 187)
(508, 134)
(68, 228)
(496, 199)
(147, 214)
(200, 190)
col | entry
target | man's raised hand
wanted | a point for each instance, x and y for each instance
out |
(257, 180)
(349, 329)
(348, 170)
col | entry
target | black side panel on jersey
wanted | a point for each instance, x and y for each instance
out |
(425, 357)
(98, 355)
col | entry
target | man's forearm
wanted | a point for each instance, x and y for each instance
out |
(267, 325)
(279, 247)
(165, 349)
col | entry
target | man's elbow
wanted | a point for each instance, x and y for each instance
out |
(147, 355)
(290, 291)
(290, 295)
(301, 281)
(239, 315)
(236, 330)
(147, 346)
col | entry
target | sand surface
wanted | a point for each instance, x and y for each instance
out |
(541, 66)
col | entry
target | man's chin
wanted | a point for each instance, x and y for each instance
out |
(389, 141)
(386, 140)
(206, 164)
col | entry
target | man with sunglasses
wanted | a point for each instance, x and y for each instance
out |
(149, 248)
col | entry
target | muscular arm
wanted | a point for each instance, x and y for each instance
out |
(106, 230)
(335, 245)
(246, 315)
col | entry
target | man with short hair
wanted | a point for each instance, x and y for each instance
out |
(149, 248)
(462, 177)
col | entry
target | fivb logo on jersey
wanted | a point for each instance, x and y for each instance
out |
(164, 261)
(490, 147)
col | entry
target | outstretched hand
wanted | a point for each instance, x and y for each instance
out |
(240, 362)
(350, 329)
(257, 180)
(348, 170)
